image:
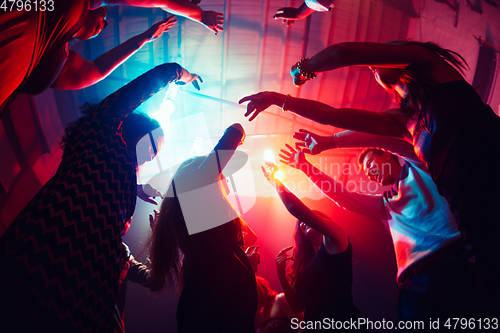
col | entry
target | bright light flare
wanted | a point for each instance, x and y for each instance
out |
(279, 175)
(269, 156)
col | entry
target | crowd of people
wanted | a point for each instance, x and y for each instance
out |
(65, 266)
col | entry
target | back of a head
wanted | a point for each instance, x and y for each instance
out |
(138, 124)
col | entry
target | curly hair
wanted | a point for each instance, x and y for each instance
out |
(70, 130)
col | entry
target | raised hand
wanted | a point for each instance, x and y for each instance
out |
(288, 15)
(187, 77)
(159, 28)
(300, 72)
(253, 255)
(269, 170)
(281, 258)
(292, 157)
(310, 143)
(212, 20)
(146, 192)
(257, 103)
(152, 220)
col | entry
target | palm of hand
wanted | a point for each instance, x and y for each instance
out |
(212, 21)
(292, 157)
(257, 103)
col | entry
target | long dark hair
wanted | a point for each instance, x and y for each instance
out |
(419, 84)
(169, 235)
(303, 251)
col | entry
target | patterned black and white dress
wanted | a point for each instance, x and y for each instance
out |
(61, 256)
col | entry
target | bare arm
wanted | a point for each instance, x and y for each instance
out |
(391, 123)
(352, 139)
(365, 204)
(314, 144)
(285, 308)
(336, 235)
(78, 73)
(380, 55)
(210, 169)
(211, 20)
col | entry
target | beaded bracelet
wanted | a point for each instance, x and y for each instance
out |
(307, 75)
(285, 102)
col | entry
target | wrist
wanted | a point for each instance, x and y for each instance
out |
(277, 98)
(306, 69)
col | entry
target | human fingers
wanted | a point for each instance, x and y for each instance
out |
(299, 136)
(286, 249)
(292, 150)
(285, 152)
(246, 99)
(300, 145)
(151, 201)
(285, 159)
(264, 171)
(254, 115)
(171, 20)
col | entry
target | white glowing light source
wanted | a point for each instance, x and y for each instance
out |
(196, 148)
(167, 106)
(269, 156)
(279, 175)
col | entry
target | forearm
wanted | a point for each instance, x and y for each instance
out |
(216, 161)
(125, 100)
(291, 297)
(352, 139)
(292, 203)
(379, 123)
(110, 60)
(364, 204)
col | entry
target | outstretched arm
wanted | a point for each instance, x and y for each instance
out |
(336, 235)
(78, 73)
(126, 99)
(291, 297)
(314, 144)
(210, 169)
(290, 14)
(211, 20)
(389, 123)
(377, 55)
(365, 204)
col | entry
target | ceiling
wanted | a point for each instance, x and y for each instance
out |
(254, 53)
